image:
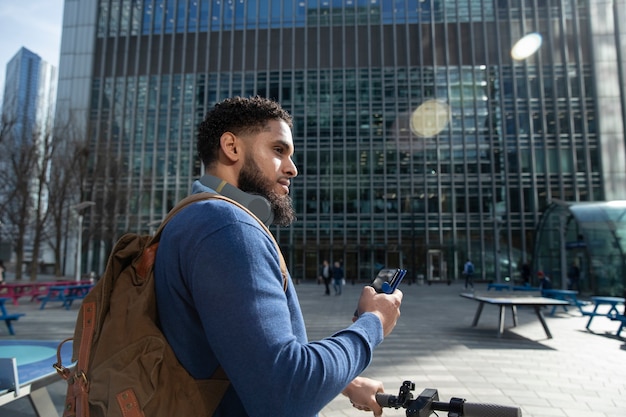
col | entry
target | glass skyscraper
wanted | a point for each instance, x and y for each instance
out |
(28, 100)
(381, 183)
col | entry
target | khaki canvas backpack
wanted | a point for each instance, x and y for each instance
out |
(125, 366)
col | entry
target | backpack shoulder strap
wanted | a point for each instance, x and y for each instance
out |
(193, 198)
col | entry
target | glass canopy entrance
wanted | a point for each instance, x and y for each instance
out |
(591, 236)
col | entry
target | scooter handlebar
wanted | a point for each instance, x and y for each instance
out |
(469, 409)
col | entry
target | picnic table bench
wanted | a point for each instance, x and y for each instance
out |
(612, 313)
(526, 288)
(8, 318)
(498, 287)
(66, 294)
(565, 295)
(621, 318)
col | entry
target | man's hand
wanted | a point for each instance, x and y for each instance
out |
(362, 394)
(385, 306)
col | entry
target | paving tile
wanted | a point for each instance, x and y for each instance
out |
(577, 373)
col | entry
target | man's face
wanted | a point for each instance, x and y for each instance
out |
(268, 168)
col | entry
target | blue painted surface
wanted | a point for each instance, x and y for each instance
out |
(35, 357)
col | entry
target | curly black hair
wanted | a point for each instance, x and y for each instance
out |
(237, 115)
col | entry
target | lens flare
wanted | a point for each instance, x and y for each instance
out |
(526, 46)
(430, 118)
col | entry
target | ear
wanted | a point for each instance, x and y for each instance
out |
(230, 146)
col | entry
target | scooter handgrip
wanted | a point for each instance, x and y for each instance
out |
(489, 410)
(385, 400)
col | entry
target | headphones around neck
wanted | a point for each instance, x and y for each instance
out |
(257, 204)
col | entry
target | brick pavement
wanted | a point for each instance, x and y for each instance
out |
(577, 373)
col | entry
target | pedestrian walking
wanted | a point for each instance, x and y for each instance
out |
(573, 277)
(525, 274)
(338, 277)
(325, 275)
(468, 271)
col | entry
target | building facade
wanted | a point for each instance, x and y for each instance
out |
(420, 141)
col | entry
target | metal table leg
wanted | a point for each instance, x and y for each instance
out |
(514, 312)
(479, 310)
(543, 321)
(501, 321)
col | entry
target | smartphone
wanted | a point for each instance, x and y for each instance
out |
(388, 280)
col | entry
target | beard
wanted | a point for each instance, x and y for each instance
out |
(252, 181)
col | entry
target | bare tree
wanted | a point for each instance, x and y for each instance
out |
(67, 169)
(37, 183)
(6, 126)
(109, 194)
(46, 146)
(18, 160)
(41, 180)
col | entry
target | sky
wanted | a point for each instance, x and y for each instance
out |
(33, 24)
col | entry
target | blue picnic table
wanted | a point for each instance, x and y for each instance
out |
(8, 318)
(498, 287)
(612, 313)
(565, 295)
(526, 288)
(66, 294)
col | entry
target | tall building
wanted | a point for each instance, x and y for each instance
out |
(29, 96)
(420, 141)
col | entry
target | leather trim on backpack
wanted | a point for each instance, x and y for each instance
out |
(127, 400)
(82, 367)
(128, 273)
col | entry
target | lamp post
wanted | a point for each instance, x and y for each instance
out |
(413, 271)
(563, 248)
(409, 206)
(78, 208)
(496, 247)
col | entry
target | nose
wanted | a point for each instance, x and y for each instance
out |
(291, 170)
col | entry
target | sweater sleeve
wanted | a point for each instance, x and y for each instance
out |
(256, 331)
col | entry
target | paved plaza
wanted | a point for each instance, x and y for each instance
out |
(576, 373)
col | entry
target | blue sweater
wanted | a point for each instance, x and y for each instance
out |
(221, 301)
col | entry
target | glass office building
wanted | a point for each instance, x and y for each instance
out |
(28, 99)
(420, 141)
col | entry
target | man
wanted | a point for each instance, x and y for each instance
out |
(220, 292)
(338, 277)
(468, 271)
(525, 273)
(325, 275)
(573, 276)
(544, 281)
